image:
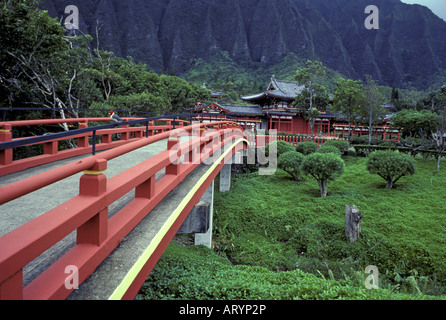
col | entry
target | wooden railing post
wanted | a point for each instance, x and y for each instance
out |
(150, 126)
(173, 168)
(51, 147)
(146, 189)
(6, 136)
(94, 183)
(106, 138)
(83, 142)
(138, 134)
(125, 135)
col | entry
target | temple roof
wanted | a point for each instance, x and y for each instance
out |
(235, 109)
(248, 110)
(286, 90)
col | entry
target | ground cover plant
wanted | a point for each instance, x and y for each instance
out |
(275, 238)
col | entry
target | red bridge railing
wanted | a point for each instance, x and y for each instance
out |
(85, 143)
(87, 213)
(263, 140)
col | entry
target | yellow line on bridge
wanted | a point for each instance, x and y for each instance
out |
(134, 271)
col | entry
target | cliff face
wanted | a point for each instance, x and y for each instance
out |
(408, 50)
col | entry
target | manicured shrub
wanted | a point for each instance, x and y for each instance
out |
(363, 140)
(342, 145)
(307, 148)
(390, 165)
(329, 149)
(281, 146)
(323, 167)
(291, 162)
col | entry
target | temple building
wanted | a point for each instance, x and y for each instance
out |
(249, 117)
(273, 109)
(276, 104)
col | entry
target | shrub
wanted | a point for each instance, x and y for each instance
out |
(307, 148)
(363, 140)
(291, 162)
(329, 149)
(281, 146)
(365, 150)
(390, 165)
(342, 145)
(323, 167)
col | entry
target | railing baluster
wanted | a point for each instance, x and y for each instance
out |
(94, 143)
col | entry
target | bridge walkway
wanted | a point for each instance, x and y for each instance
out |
(18, 212)
(107, 218)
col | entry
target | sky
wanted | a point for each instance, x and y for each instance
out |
(437, 6)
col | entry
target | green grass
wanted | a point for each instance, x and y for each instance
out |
(277, 239)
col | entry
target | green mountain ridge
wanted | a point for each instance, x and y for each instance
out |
(175, 36)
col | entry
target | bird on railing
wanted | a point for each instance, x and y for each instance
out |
(115, 117)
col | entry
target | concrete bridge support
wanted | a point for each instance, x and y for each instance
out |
(208, 198)
(225, 178)
(199, 221)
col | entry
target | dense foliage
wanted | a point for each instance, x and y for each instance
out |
(294, 246)
(329, 149)
(390, 165)
(291, 162)
(323, 167)
(278, 146)
(342, 145)
(43, 66)
(198, 274)
(307, 148)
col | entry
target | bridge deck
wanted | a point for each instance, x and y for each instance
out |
(121, 267)
(22, 210)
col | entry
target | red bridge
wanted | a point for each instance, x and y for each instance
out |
(94, 226)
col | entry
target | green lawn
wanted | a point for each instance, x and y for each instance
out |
(277, 239)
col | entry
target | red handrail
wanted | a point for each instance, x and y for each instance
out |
(97, 235)
(22, 123)
(51, 152)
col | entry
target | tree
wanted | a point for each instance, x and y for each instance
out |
(347, 100)
(323, 167)
(281, 147)
(415, 124)
(181, 94)
(329, 149)
(314, 96)
(307, 147)
(390, 165)
(342, 145)
(34, 57)
(395, 98)
(291, 163)
(439, 105)
(371, 109)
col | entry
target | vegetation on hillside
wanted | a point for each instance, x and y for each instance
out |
(43, 66)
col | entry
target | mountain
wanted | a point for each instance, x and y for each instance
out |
(407, 51)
